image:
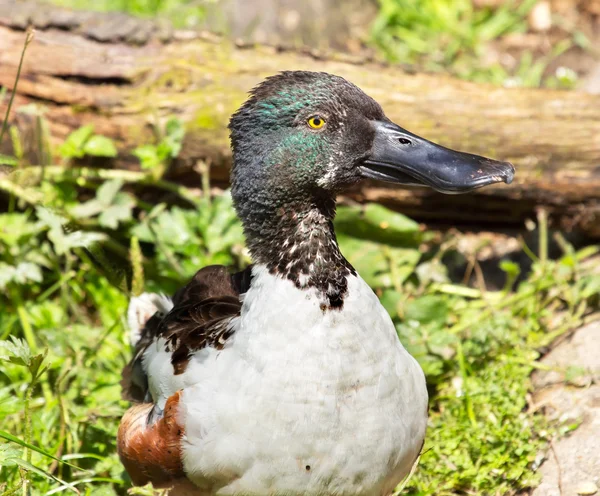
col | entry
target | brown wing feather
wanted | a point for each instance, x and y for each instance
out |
(201, 316)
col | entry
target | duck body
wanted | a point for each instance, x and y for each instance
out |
(288, 377)
(331, 405)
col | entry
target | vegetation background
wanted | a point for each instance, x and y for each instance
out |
(68, 264)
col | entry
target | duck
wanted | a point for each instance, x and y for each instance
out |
(288, 377)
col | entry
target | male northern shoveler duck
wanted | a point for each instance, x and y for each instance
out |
(288, 377)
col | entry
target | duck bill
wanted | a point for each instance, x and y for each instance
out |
(401, 157)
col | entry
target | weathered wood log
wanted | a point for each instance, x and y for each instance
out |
(122, 74)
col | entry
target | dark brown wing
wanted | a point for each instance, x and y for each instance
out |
(201, 317)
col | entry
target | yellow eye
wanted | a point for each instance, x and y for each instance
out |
(316, 122)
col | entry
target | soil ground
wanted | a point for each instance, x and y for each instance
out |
(570, 394)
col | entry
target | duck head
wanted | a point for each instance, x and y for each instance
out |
(309, 133)
(300, 138)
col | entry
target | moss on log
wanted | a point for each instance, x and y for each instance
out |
(122, 74)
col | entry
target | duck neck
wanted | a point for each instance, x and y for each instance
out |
(295, 239)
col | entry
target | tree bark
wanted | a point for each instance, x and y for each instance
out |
(124, 75)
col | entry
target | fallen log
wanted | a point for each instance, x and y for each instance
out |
(122, 74)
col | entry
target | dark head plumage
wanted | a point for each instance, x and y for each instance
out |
(274, 143)
(303, 136)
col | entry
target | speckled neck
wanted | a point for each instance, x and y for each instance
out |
(296, 240)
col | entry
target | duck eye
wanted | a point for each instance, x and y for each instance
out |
(316, 122)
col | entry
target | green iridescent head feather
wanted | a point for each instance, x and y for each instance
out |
(276, 153)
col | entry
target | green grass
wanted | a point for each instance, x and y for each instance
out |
(456, 37)
(182, 13)
(437, 33)
(76, 242)
(431, 35)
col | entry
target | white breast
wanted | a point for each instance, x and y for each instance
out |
(304, 401)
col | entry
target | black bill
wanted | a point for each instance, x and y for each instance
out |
(398, 156)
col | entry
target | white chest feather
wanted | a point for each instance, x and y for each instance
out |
(302, 400)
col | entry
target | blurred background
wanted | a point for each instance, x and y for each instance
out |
(113, 180)
(550, 43)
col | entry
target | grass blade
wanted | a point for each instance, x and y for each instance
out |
(36, 470)
(84, 481)
(20, 442)
(28, 40)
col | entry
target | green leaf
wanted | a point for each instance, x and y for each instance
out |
(367, 257)
(7, 452)
(175, 132)
(87, 209)
(83, 239)
(432, 271)
(47, 314)
(430, 308)
(49, 218)
(75, 142)
(148, 156)
(17, 351)
(55, 224)
(511, 268)
(143, 232)
(27, 271)
(7, 274)
(389, 220)
(6, 160)
(100, 146)
(108, 191)
(17, 226)
(376, 223)
(390, 299)
(590, 286)
(118, 212)
(173, 228)
(112, 205)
